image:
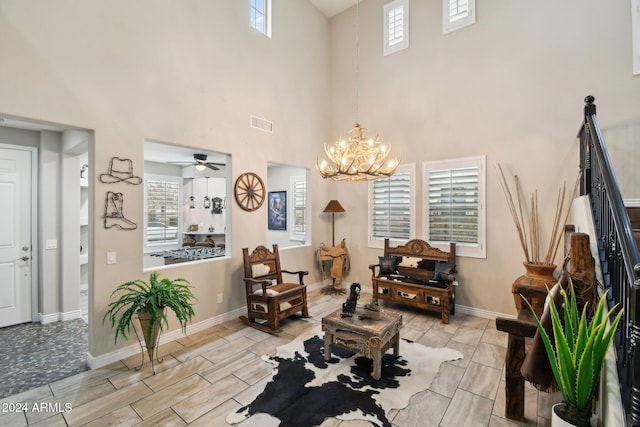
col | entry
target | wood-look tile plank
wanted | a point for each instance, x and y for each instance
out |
(164, 350)
(230, 365)
(230, 349)
(481, 380)
(83, 394)
(205, 400)
(169, 396)
(132, 376)
(467, 410)
(97, 408)
(490, 355)
(217, 416)
(121, 417)
(425, 409)
(53, 421)
(83, 379)
(177, 373)
(166, 418)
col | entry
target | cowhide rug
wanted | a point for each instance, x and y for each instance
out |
(304, 389)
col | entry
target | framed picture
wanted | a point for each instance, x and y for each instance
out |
(277, 210)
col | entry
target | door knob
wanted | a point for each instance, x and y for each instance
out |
(24, 258)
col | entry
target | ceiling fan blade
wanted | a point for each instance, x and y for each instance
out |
(212, 166)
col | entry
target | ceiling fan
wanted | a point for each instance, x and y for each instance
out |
(200, 163)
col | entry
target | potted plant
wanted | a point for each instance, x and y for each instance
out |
(372, 309)
(150, 301)
(577, 353)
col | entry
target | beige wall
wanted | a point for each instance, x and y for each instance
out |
(191, 73)
(511, 87)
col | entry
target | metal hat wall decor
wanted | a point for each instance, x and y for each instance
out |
(120, 170)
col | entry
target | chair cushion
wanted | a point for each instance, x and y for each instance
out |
(276, 289)
(258, 270)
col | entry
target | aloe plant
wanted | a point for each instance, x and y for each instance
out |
(154, 297)
(578, 351)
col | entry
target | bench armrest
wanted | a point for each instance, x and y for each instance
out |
(517, 327)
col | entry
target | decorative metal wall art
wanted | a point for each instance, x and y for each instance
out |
(120, 170)
(113, 213)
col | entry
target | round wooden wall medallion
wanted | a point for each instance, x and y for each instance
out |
(249, 191)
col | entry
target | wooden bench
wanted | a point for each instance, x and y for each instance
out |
(423, 278)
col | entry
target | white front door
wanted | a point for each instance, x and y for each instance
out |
(15, 236)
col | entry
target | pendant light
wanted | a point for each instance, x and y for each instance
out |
(207, 200)
(192, 200)
(358, 158)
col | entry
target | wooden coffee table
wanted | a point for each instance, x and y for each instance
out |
(369, 337)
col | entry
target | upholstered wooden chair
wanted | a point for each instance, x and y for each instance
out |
(269, 298)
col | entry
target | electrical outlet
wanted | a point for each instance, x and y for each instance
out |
(219, 298)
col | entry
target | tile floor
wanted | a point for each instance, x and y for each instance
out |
(206, 375)
(33, 354)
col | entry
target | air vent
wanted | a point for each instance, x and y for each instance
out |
(261, 124)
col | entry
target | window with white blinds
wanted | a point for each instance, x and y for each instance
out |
(298, 208)
(260, 11)
(396, 26)
(162, 200)
(454, 204)
(391, 207)
(457, 14)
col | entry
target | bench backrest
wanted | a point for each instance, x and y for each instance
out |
(417, 248)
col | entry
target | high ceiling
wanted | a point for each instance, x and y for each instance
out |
(333, 7)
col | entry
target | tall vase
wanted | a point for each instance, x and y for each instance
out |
(535, 275)
(150, 342)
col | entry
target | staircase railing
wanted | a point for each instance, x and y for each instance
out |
(618, 255)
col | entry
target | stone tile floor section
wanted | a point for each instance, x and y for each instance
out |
(206, 375)
(32, 354)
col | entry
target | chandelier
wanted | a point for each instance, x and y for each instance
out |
(358, 158)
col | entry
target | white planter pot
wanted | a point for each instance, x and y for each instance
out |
(556, 421)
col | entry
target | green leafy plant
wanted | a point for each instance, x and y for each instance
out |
(154, 298)
(577, 353)
(373, 305)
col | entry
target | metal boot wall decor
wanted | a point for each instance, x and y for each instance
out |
(120, 170)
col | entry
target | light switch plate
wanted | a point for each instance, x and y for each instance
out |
(111, 257)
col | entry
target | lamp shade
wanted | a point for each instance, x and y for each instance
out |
(333, 206)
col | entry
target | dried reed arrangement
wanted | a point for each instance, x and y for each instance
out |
(527, 219)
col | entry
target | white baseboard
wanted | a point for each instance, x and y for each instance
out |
(133, 349)
(485, 314)
(59, 317)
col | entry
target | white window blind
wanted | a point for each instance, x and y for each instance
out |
(454, 199)
(396, 26)
(163, 210)
(453, 205)
(457, 14)
(391, 213)
(298, 208)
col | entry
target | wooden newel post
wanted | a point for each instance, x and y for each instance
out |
(582, 270)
